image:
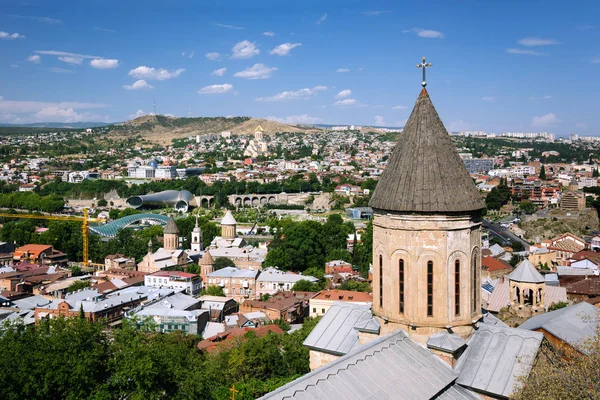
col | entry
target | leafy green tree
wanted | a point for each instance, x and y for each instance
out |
(75, 286)
(558, 305)
(528, 207)
(356, 286)
(214, 291)
(542, 173)
(223, 262)
(304, 285)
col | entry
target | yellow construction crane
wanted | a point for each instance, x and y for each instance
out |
(85, 220)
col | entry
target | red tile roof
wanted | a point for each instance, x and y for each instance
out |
(494, 265)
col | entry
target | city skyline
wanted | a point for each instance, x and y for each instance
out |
(496, 68)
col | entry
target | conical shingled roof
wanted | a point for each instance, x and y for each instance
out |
(425, 173)
(228, 219)
(207, 259)
(171, 227)
(526, 272)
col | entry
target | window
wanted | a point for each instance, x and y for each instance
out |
(401, 283)
(430, 288)
(474, 281)
(380, 281)
(322, 311)
(314, 310)
(233, 291)
(457, 287)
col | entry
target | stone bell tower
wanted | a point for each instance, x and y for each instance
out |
(426, 233)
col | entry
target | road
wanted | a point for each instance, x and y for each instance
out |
(502, 233)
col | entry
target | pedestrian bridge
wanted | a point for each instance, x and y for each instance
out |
(110, 230)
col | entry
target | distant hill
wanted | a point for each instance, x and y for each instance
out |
(163, 129)
(59, 125)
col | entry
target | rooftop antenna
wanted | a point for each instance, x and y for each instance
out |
(154, 105)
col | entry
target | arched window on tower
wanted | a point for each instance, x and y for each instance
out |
(380, 281)
(430, 288)
(474, 282)
(457, 287)
(401, 285)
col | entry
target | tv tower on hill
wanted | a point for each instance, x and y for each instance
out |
(153, 105)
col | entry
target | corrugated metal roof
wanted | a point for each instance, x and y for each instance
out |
(496, 357)
(573, 324)
(526, 272)
(391, 367)
(500, 298)
(336, 332)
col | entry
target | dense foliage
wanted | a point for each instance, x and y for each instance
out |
(66, 237)
(498, 196)
(301, 245)
(77, 359)
(32, 201)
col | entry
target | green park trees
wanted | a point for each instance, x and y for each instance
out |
(301, 245)
(78, 359)
(498, 196)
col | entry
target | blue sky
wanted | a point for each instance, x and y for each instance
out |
(497, 65)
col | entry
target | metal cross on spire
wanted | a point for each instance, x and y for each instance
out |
(424, 65)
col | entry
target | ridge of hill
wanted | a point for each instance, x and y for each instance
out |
(163, 129)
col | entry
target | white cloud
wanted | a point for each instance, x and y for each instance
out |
(426, 33)
(188, 54)
(60, 70)
(39, 19)
(305, 93)
(379, 120)
(71, 60)
(375, 13)
(342, 70)
(160, 74)
(345, 102)
(270, 34)
(257, 71)
(596, 60)
(399, 107)
(63, 53)
(459, 126)
(237, 28)
(488, 98)
(139, 84)
(103, 63)
(36, 111)
(526, 52)
(219, 72)
(212, 56)
(24, 106)
(10, 36)
(244, 49)
(545, 120)
(216, 89)
(532, 41)
(343, 93)
(284, 49)
(100, 29)
(138, 113)
(296, 119)
(34, 59)
(322, 19)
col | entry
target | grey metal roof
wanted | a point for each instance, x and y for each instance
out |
(457, 392)
(491, 319)
(495, 359)
(425, 172)
(232, 272)
(335, 333)
(526, 272)
(573, 324)
(447, 342)
(391, 367)
(30, 303)
(228, 219)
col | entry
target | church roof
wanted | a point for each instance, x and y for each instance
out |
(526, 272)
(207, 259)
(171, 227)
(425, 173)
(228, 219)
